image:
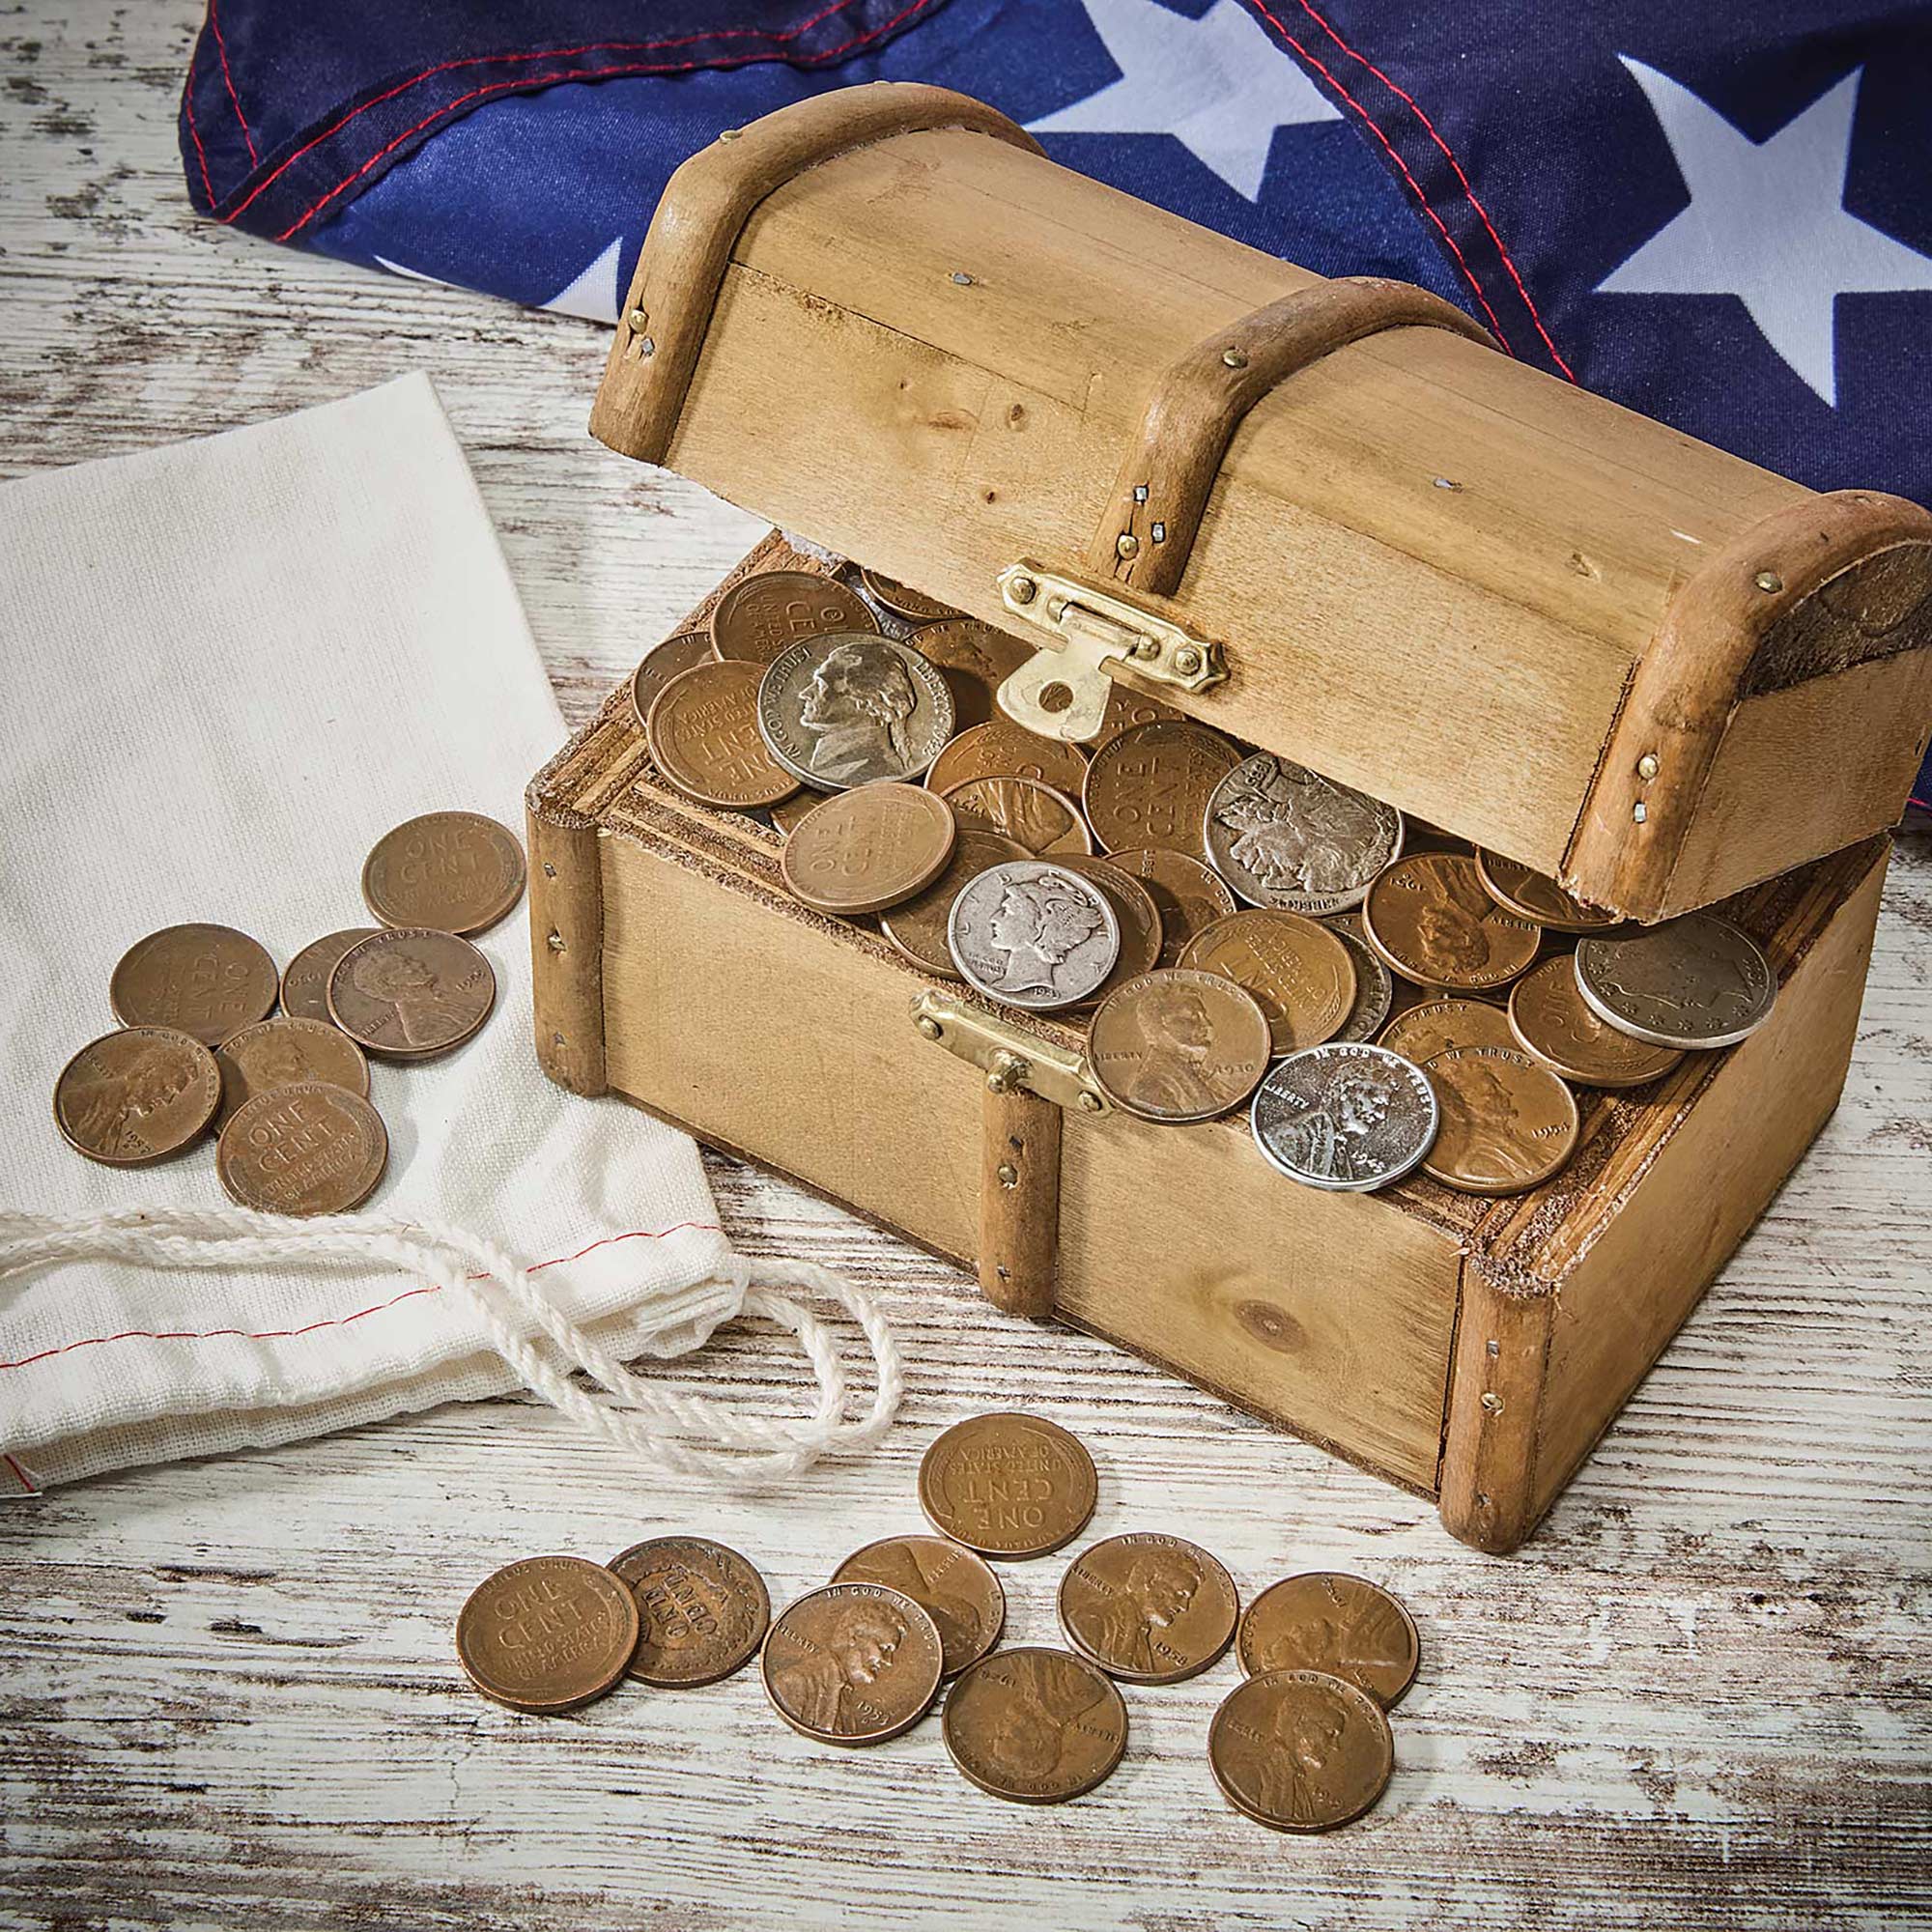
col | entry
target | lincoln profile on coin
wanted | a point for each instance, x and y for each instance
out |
(857, 706)
(106, 1112)
(1324, 1139)
(1039, 925)
(818, 1686)
(1293, 1776)
(1177, 1035)
(1156, 1590)
(1478, 1112)
(406, 982)
(1030, 1732)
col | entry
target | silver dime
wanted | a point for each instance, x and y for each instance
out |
(1345, 1115)
(1033, 934)
(1374, 985)
(1283, 836)
(852, 709)
(1691, 983)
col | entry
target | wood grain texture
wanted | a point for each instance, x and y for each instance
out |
(227, 1693)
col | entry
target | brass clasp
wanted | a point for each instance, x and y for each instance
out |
(1011, 1059)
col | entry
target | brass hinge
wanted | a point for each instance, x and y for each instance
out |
(1009, 1058)
(1060, 691)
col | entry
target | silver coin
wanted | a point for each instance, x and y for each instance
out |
(1691, 983)
(853, 709)
(1033, 934)
(1283, 836)
(1345, 1115)
(1375, 984)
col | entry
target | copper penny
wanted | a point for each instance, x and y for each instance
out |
(657, 666)
(1135, 911)
(206, 980)
(548, 1633)
(1151, 783)
(1007, 1484)
(1508, 1124)
(455, 872)
(1036, 1725)
(702, 1609)
(1374, 986)
(917, 929)
(1000, 748)
(1327, 1620)
(1298, 972)
(1435, 1026)
(790, 813)
(853, 1663)
(1553, 1024)
(904, 601)
(1283, 836)
(759, 616)
(1188, 895)
(1178, 1045)
(1693, 982)
(975, 659)
(136, 1095)
(1127, 707)
(1430, 920)
(1148, 1609)
(305, 978)
(284, 1052)
(1530, 896)
(310, 1149)
(955, 1588)
(703, 729)
(410, 993)
(1300, 1750)
(869, 848)
(1046, 821)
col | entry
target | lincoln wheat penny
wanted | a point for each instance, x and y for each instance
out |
(1553, 1024)
(975, 659)
(1327, 1620)
(1529, 895)
(1046, 821)
(1349, 1118)
(1375, 988)
(456, 871)
(1430, 920)
(548, 1633)
(759, 617)
(1147, 1608)
(917, 929)
(849, 710)
(853, 1663)
(904, 601)
(1176, 1045)
(137, 1096)
(1134, 912)
(1007, 1484)
(702, 1609)
(1188, 895)
(1151, 783)
(305, 978)
(310, 1149)
(657, 668)
(1300, 1750)
(1000, 748)
(861, 851)
(703, 729)
(1036, 1725)
(1508, 1124)
(1034, 935)
(1283, 836)
(204, 980)
(1693, 982)
(410, 993)
(955, 1588)
(1298, 972)
(1127, 707)
(1435, 1026)
(284, 1052)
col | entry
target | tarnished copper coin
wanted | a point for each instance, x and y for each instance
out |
(1148, 1609)
(1531, 895)
(702, 728)
(1000, 748)
(1127, 707)
(1691, 983)
(1189, 894)
(1347, 1117)
(759, 616)
(904, 601)
(1134, 912)
(862, 850)
(1298, 972)
(283, 1052)
(454, 871)
(1430, 920)
(1375, 988)
(1508, 1124)
(1046, 821)
(1553, 1024)
(1151, 783)
(305, 978)
(1283, 836)
(1007, 1484)
(1300, 1750)
(853, 1663)
(702, 1609)
(1178, 1045)
(850, 710)
(205, 980)
(409, 993)
(975, 659)
(1327, 1620)
(917, 929)
(951, 1585)
(666, 660)
(1034, 935)
(136, 1095)
(1036, 1725)
(790, 813)
(1435, 1026)
(548, 1633)
(310, 1149)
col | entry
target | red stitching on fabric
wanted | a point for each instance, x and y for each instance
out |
(26, 1481)
(188, 108)
(228, 79)
(343, 1320)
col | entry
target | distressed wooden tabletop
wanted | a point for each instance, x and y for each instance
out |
(227, 1690)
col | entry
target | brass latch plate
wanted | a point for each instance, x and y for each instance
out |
(1009, 1058)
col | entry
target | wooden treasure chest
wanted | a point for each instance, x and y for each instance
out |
(1332, 522)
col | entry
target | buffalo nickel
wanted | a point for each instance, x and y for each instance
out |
(205, 980)
(1283, 836)
(410, 993)
(975, 659)
(657, 668)
(305, 978)
(1351, 1117)
(310, 1149)
(456, 871)
(1046, 821)
(1188, 895)
(1298, 972)
(548, 1633)
(852, 1664)
(703, 729)
(1148, 1609)
(954, 1588)
(1430, 920)
(1422, 1032)
(917, 929)
(1327, 1620)
(283, 1052)
(1177, 1046)
(1034, 935)
(759, 617)
(1007, 1484)
(1693, 982)
(1508, 1124)
(1375, 988)
(1000, 748)
(702, 1609)
(1530, 894)
(1300, 1750)
(137, 1096)
(861, 851)
(1036, 1725)
(849, 710)
(1151, 783)
(1553, 1024)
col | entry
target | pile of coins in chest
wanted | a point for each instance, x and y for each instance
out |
(1232, 929)
(213, 1038)
(1302, 1742)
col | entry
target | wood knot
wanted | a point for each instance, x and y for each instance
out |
(1273, 1327)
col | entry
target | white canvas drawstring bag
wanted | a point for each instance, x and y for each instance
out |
(230, 665)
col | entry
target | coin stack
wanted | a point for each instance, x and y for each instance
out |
(288, 1095)
(1303, 1744)
(1233, 927)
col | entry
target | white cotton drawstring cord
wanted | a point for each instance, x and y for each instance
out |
(641, 1417)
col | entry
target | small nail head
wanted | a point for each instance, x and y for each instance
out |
(960, 279)
(930, 1027)
(1768, 582)
(638, 319)
(1023, 589)
(1089, 1104)
(646, 345)
(1647, 766)
(1234, 358)
(1127, 544)
(1639, 811)
(1187, 661)
(729, 133)
(1008, 1175)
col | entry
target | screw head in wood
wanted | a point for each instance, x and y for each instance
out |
(1128, 544)
(637, 319)
(1639, 811)
(930, 1027)
(960, 279)
(1769, 580)
(1007, 1174)
(1188, 660)
(1090, 1103)
(1023, 589)
(1646, 766)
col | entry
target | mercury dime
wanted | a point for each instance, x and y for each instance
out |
(904, 601)
(849, 710)
(1298, 972)
(1188, 895)
(548, 1633)
(456, 871)
(702, 1609)
(1550, 1021)
(410, 993)
(1036, 1725)
(1148, 1609)
(1135, 911)
(1327, 1620)
(1429, 918)
(1177, 1046)
(975, 659)
(1000, 748)
(305, 978)
(1529, 895)
(917, 929)
(1034, 935)
(1046, 821)
(657, 666)
(136, 1095)
(206, 980)
(282, 1053)
(861, 851)
(1007, 1484)
(955, 1588)
(1353, 1118)
(1508, 1124)
(703, 729)
(1151, 783)
(1283, 836)
(1691, 983)
(310, 1149)
(853, 1663)
(1300, 1750)
(760, 617)
(1375, 989)
(1435, 1026)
